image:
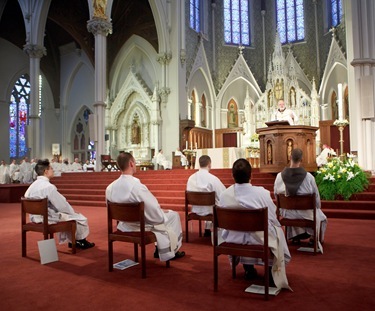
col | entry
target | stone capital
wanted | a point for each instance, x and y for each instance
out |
(35, 50)
(99, 26)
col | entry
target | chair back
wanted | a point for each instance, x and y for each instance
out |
(199, 198)
(297, 202)
(241, 219)
(127, 212)
(35, 206)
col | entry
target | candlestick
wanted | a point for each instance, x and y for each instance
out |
(340, 108)
(191, 145)
(186, 145)
(196, 145)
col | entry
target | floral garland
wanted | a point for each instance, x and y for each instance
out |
(340, 178)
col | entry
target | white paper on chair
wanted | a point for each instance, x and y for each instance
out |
(127, 263)
(47, 251)
(259, 289)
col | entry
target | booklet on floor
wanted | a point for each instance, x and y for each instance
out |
(122, 265)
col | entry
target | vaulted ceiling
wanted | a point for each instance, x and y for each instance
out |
(67, 23)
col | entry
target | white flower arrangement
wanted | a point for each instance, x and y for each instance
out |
(340, 178)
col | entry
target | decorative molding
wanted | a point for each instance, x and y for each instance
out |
(35, 50)
(164, 92)
(164, 58)
(183, 56)
(99, 26)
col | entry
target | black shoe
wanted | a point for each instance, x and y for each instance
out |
(178, 255)
(84, 244)
(207, 233)
(156, 253)
(250, 272)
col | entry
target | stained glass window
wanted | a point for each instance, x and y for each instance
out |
(18, 117)
(195, 15)
(236, 22)
(335, 12)
(290, 20)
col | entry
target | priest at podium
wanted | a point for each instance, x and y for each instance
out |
(284, 114)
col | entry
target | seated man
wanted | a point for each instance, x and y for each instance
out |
(294, 180)
(4, 173)
(26, 171)
(204, 181)
(243, 194)
(162, 160)
(14, 172)
(326, 153)
(76, 166)
(184, 161)
(165, 224)
(58, 208)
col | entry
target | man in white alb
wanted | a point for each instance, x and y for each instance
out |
(184, 161)
(165, 224)
(4, 173)
(204, 181)
(162, 160)
(243, 194)
(58, 207)
(76, 166)
(26, 171)
(285, 114)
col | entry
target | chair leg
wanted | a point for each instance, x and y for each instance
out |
(168, 263)
(186, 229)
(233, 267)
(143, 259)
(110, 255)
(315, 242)
(266, 281)
(23, 243)
(200, 228)
(216, 274)
(136, 252)
(74, 229)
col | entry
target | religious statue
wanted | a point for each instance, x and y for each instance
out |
(279, 89)
(269, 153)
(136, 133)
(100, 8)
(232, 116)
(289, 149)
(292, 97)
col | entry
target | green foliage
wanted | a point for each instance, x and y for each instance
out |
(340, 178)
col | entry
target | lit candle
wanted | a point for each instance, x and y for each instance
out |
(196, 145)
(340, 108)
(186, 145)
(191, 145)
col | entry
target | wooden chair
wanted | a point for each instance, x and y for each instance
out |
(40, 207)
(197, 198)
(129, 212)
(241, 219)
(298, 202)
(176, 161)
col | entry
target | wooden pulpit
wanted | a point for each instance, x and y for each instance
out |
(277, 142)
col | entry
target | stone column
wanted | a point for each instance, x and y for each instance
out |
(35, 53)
(360, 40)
(100, 28)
